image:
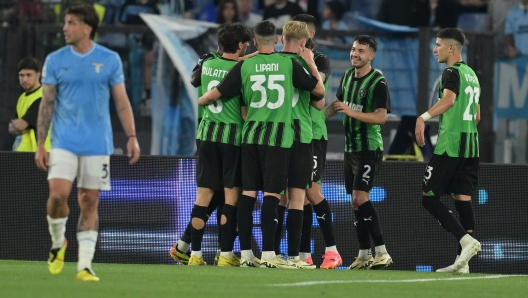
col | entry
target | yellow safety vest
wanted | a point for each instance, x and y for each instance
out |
(29, 138)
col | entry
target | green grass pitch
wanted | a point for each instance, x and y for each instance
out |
(32, 279)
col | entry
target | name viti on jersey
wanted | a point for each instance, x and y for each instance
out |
(471, 79)
(355, 107)
(267, 67)
(219, 73)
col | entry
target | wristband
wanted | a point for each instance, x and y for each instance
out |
(426, 116)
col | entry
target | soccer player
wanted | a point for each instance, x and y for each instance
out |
(332, 259)
(453, 169)
(77, 81)
(219, 157)
(294, 37)
(363, 99)
(24, 123)
(266, 82)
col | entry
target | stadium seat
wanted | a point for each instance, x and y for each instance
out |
(475, 21)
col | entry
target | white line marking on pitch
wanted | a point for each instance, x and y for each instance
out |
(311, 283)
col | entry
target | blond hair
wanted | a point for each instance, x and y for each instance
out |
(294, 31)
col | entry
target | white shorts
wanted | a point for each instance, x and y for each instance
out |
(92, 172)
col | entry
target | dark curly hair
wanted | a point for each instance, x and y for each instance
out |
(231, 35)
(367, 40)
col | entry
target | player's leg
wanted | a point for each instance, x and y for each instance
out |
(364, 258)
(181, 251)
(251, 183)
(208, 179)
(220, 196)
(232, 177)
(305, 251)
(93, 176)
(62, 171)
(438, 178)
(332, 259)
(363, 182)
(281, 211)
(274, 161)
(299, 178)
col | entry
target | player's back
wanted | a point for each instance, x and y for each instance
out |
(302, 121)
(81, 114)
(222, 120)
(267, 90)
(457, 133)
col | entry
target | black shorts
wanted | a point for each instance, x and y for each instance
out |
(265, 168)
(219, 166)
(451, 175)
(361, 169)
(319, 159)
(301, 165)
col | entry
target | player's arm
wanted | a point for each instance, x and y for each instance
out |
(477, 118)
(47, 106)
(248, 56)
(330, 110)
(451, 86)
(17, 126)
(323, 66)
(308, 55)
(196, 76)
(243, 108)
(229, 87)
(124, 111)
(301, 79)
(381, 106)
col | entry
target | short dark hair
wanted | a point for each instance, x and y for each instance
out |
(87, 14)
(367, 40)
(265, 29)
(309, 19)
(29, 63)
(452, 33)
(231, 35)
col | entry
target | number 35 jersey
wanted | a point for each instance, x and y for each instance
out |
(221, 121)
(457, 132)
(267, 83)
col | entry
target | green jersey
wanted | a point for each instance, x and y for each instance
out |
(267, 83)
(457, 131)
(365, 94)
(318, 119)
(222, 121)
(196, 79)
(302, 121)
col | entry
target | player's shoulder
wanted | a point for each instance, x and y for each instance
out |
(61, 52)
(319, 55)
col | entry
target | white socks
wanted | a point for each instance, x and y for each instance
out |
(227, 254)
(305, 255)
(57, 228)
(247, 254)
(87, 241)
(183, 246)
(466, 240)
(364, 254)
(268, 255)
(197, 253)
(381, 249)
(331, 248)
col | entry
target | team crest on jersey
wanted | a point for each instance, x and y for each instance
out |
(362, 92)
(97, 66)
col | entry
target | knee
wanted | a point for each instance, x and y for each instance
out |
(199, 217)
(88, 201)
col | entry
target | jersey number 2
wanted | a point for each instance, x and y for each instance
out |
(474, 96)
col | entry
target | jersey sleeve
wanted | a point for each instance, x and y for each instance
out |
(31, 114)
(117, 76)
(323, 65)
(232, 83)
(382, 96)
(196, 76)
(301, 78)
(451, 80)
(49, 74)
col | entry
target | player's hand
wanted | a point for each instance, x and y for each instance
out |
(306, 54)
(133, 150)
(41, 158)
(419, 131)
(342, 108)
(201, 101)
